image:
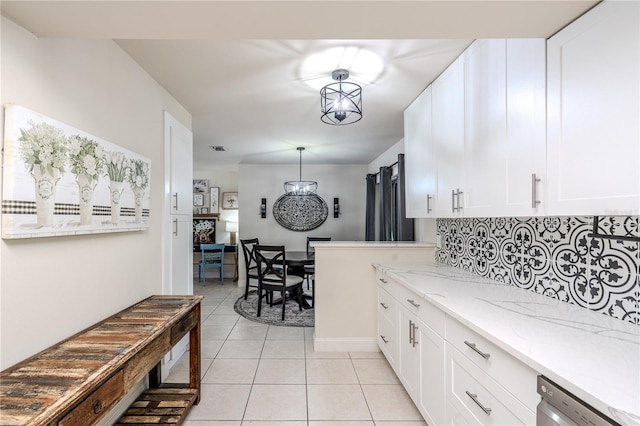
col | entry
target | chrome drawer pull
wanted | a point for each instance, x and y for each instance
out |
(383, 280)
(415, 342)
(384, 339)
(475, 399)
(413, 302)
(384, 305)
(473, 346)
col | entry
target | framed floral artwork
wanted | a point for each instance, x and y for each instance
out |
(200, 185)
(198, 200)
(214, 199)
(59, 180)
(230, 200)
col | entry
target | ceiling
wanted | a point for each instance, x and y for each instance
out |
(237, 66)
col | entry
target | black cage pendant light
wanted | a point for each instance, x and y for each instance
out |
(341, 102)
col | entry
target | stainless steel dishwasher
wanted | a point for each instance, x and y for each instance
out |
(559, 407)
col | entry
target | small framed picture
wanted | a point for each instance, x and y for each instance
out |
(214, 199)
(200, 185)
(204, 210)
(198, 199)
(230, 200)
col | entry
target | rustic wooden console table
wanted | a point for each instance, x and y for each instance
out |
(77, 381)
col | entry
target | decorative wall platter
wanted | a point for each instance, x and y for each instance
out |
(300, 212)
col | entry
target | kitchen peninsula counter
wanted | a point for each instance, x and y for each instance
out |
(346, 293)
(593, 356)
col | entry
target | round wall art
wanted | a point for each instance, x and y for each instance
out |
(300, 212)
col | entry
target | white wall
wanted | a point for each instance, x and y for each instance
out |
(347, 182)
(54, 287)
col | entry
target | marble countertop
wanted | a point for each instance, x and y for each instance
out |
(595, 357)
(371, 244)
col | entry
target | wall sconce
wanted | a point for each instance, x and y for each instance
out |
(263, 208)
(336, 207)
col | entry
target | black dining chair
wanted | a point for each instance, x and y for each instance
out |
(273, 277)
(250, 263)
(310, 270)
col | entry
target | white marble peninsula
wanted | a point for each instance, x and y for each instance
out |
(346, 291)
(593, 356)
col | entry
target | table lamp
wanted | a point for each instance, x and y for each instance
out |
(232, 227)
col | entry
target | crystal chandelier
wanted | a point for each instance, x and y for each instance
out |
(300, 187)
(341, 102)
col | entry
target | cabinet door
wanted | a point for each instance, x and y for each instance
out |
(504, 127)
(525, 153)
(420, 165)
(593, 113)
(409, 353)
(485, 126)
(180, 167)
(432, 375)
(181, 255)
(448, 138)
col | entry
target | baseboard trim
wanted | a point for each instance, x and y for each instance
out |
(345, 344)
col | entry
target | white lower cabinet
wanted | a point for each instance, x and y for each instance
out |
(478, 398)
(420, 361)
(432, 375)
(453, 375)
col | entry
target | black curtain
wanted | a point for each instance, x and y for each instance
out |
(405, 225)
(384, 199)
(370, 231)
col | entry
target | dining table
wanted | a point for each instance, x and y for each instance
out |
(296, 261)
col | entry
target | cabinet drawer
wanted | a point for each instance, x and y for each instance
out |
(472, 392)
(185, 324)
(97, 404)
(515, 376)
(387, 306)
(423, 310)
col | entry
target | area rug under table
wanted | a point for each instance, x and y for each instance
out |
(293, 317)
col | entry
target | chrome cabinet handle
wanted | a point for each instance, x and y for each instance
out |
(383, 280)
(384, 339)
(473, 346)
(175, 207)
(384, 305)
(474, 397)
(534, 191)
(410, 332)
(453, 201)
(175, 228)
(456, 206)
(429, 198)
(415, 342)
(413, 302)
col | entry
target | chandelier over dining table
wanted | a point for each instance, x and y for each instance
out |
(300, 187)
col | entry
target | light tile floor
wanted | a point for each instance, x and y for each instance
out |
(261, 375)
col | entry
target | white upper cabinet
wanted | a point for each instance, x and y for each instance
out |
(420, 166)
(593, 113)
(448, 139)
(504, 116)
(485, 126)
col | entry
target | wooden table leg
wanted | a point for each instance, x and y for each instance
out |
(194, 357)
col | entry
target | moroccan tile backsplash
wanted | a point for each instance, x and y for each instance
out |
(554, 256)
